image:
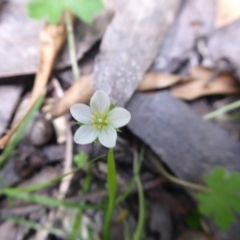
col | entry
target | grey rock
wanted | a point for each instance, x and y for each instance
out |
(189, 146)
(191, 23)
(10, 95)
(224, 44)
(130, 44)
(19, 41)
(160, 221)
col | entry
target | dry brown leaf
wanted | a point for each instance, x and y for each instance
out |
(79, 92)
(51, 41)
(153, 81)
(82, 90)
(200, 85)
(228, 11)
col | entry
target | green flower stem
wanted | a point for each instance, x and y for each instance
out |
(140, 226)
(71, 45)
(222, 110)
(112, 190)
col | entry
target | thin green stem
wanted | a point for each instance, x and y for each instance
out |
(39, 186)
(127, 232)
(222, 110)
(132, 183)
(139, 230)
(35, 226)
(76, 223)
(112, 190)
(19, 133)
(71, 45)
(78, 216)
(181, 182)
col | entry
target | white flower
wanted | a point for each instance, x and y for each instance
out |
(98, 121)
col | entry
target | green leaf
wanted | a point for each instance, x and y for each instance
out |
(112, 106)
(222, 199)
(85, 9)
(50, 9)
(81, 159)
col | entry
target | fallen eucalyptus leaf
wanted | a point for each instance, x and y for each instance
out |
(201, 85)
(227, 12)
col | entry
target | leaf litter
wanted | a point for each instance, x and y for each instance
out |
(155, 63)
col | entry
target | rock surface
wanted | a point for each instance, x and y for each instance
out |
(130, 45)
(188, 145)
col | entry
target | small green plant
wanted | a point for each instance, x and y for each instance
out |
(53, 10)
(56, 10)
(219, 199)
(223, 197)
(81, 159)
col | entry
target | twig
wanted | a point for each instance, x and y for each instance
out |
(71, 45)
(42, 234)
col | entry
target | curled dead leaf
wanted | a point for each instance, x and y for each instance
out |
(159, 80)
(228, 11)
(79, 92)
(224, 84)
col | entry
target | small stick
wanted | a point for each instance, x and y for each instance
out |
(71, 44)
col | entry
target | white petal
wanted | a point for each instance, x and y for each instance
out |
(85, 134)
(108, 137)
(100, 101)
(82, 113)
(119, 117)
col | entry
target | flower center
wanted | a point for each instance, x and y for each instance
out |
(100, 120)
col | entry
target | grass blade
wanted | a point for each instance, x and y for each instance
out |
(19, 133)
(42, 200)
(132, 183)
(78, 217)
(35, 226)
(57, 179)
(222, 110)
